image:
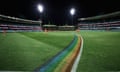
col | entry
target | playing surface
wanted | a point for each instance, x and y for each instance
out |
(101, 51)
(27, 51)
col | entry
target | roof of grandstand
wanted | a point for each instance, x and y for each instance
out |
(66, 26)
(18, 20)
(49, 25)
(110, 15)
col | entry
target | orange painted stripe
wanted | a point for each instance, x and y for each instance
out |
(66, 64)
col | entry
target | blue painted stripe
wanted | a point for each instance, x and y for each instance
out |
(59, 57)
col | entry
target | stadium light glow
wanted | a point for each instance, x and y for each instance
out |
(40, 8)
(72, 11)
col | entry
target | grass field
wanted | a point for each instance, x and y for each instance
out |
(101, 52)
(27, 51)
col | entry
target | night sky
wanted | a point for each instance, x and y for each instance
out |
(57, 11)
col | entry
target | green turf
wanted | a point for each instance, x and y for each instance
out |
(57, 39)
(101, 52)
(27, 51)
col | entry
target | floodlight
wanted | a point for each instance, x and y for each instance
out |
(72, 11)
(40, 8)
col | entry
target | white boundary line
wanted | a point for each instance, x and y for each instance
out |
(76, 62)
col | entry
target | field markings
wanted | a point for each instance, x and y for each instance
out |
(66, 64)
(55, 63)
(57, 59)
(75, 65)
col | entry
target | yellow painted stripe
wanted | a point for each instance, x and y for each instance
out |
(64, 64)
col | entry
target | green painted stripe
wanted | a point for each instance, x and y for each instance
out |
(62, 63)
(51, 66)
(54, 66)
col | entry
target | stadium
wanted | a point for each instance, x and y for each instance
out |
(91, 46)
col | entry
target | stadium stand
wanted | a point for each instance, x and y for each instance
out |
(50, 27)
(12, 24)
(66, 28)
(100, 26)
(59, 28)
(102, 22)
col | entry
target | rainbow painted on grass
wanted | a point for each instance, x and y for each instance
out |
(64, 60)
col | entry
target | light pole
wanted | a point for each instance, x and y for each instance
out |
(72, 12)
(40, 9)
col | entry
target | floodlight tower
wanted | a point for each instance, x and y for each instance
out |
(72, 12)
(40, 9)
